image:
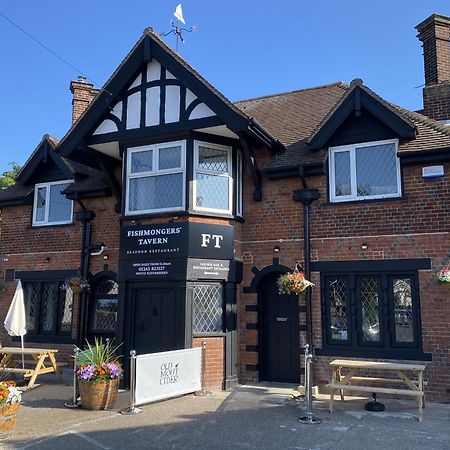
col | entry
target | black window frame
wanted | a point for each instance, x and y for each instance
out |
(49, 276)
(388, 347)
(39, 334)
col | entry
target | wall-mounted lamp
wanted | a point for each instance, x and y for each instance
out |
(364, 246)
(276, 249)
(47, 259)
(105, 257)
(98, 249)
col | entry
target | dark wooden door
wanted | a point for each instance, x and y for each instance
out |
(280, 339)
(157, 321)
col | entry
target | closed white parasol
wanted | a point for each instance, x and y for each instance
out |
(15, 321)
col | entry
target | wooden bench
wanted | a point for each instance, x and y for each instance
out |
(44, 361)
(340, 381)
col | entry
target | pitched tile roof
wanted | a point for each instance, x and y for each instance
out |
(293, 117)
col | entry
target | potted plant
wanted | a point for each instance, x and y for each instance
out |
(444, 278)
(293, 282)
(10, 398)
(76, 284)
(98, 374)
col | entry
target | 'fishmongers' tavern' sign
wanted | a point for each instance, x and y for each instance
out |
(183, 239)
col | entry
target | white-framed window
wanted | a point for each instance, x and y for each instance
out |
(156, 178)
(213, 181)
(364, 171)
(239, 184)
(50, 206)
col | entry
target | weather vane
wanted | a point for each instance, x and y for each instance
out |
(177, 29)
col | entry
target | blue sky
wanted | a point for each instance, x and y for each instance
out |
(244, 48)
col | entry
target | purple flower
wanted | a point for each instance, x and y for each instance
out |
(114, 370)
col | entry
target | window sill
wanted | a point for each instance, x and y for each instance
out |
(177, 214)
(219, 334)
(369, 200)
(400, 353)
(40, 339)
(52, 225)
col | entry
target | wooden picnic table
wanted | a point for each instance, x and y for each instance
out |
(353, 369)
(43, 359)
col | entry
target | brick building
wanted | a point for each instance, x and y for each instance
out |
(182, 209)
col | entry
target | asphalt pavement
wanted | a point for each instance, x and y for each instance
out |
(260, 416)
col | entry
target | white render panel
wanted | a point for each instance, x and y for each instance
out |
(134, 111)
(190, 97)
(136, 82)
(201, 111)
(152, 106)
(107, 126)
(110, 149)
(153, 71)
(117, 110)
(169, 76)
(172, 110)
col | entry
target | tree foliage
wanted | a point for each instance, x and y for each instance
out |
(8, 178)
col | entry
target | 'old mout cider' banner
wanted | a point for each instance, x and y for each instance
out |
(184, 239)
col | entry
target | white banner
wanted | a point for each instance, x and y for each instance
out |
(168, 374)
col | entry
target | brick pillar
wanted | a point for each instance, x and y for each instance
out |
(434, 33)
(83, 94)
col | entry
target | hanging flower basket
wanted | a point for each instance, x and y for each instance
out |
(444, 278)
(293, 283)
(77, 285)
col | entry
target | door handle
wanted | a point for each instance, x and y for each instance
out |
(282, 319)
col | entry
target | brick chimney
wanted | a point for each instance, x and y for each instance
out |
(434, 33)
(83, 94)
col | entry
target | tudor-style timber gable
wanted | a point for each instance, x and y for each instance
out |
(155, 98)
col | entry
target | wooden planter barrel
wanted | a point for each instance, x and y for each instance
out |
(98, 395)
(8, 415)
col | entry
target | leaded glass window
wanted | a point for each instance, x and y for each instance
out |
(338, 309)
(365, 313)
(51, 207)
(212, 178)
(156, 178)
(403, 310)
(207, 306)
(103, 313)
(48, 308)
(364, 171)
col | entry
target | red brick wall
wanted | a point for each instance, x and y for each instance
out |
(214, 361)
(416, 226)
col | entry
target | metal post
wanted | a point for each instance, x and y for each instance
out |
(309, 419)
(74, 403)
(203, 365)
(132, 408)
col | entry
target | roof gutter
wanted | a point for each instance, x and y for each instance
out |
(263, 135)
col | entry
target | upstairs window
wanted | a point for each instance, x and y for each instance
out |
(213, 181)
(51, 207)
(156, 178)
(364, 171)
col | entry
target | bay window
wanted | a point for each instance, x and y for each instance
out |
(213, 179)
(364, 171)
(156, 178)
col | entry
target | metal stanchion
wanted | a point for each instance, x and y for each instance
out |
(309, 419)
(132, 408)
(75, 402)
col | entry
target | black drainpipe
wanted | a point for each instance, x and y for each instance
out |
(85, 217)
(307, 196)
